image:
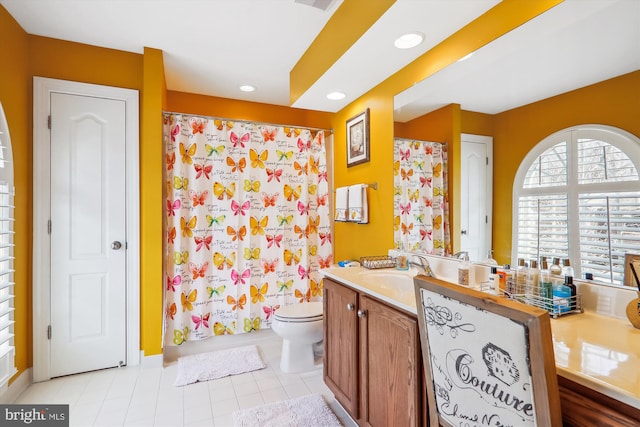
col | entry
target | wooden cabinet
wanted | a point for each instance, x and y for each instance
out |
(373, 365)
(582, 406)
(372, 358)
(340, 344)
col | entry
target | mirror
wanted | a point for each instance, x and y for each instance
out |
(571, 46)
(420, 201)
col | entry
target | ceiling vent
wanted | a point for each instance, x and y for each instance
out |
(319, 4)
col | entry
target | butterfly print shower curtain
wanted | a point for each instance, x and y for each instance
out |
(420, 197)
(247, 224)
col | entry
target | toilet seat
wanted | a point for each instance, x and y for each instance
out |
(300, 313)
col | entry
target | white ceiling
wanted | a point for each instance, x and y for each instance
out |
(211, 47)
(575, 44)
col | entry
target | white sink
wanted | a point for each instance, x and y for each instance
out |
(392, 280)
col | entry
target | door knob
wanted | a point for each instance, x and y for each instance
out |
(116, 245)
(463, 231)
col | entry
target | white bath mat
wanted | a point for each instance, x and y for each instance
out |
(306, 411)
(218, 364)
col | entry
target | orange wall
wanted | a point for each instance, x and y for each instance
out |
(181, 102)
(59, 59)
(476, 123)
(151, 214)
(351, 240)
(15, 94)
(614, 102)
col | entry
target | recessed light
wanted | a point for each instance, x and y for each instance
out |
(409, 40)
(247, 88)
(335, 96)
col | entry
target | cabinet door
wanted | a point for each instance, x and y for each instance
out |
(390, 366)
(341, 344)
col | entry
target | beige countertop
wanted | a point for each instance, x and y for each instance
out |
(599, 352)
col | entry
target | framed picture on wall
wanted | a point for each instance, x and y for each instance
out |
(358, 139)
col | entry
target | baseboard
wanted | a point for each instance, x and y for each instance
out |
(153, 361)
(9, 394)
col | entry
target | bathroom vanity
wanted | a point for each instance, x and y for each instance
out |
(374, 367)
(372, 357)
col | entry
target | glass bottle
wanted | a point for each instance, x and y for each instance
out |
(521, 276)
(533, 277)
(567, 269)
(555, 269)
(463, 271)
(546, 288)
(489, 260)
(509, 281)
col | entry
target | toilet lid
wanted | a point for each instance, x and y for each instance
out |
(301, 312)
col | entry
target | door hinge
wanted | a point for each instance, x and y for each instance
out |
(486, 158)
(49, 226)
(49, 122)
(49, 332)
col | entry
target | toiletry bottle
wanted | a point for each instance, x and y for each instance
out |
(533, 278)
(568, 282)
(561, 297)
(546, 288)
(567, 270)
(521, 276)
(502, 279)
(463, 271)
(494, 281)
(509, 281)
(489, 260)
(554, 269)
(402, 263)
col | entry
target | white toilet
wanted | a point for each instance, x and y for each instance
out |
(300, 326)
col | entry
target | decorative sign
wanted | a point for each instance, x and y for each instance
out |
(479, 362)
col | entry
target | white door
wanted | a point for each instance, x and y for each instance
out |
(475, 196)
(88, 216)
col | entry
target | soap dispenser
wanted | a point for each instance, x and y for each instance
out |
(463, 271)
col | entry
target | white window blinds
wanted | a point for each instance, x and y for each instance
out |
(580, 198)
(7, 351)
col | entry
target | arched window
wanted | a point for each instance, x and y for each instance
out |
(577, 195)
(7, 351)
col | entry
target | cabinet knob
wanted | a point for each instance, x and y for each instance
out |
(350, 307)
(361, 313)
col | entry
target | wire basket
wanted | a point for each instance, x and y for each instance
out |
(381, 261)
(535, 296)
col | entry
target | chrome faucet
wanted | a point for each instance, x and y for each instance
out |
(461, 255)
(423, 264)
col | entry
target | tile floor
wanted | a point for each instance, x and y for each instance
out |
(136, 396)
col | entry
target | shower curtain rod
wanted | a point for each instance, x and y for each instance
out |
(420, 140)
(248, 121)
